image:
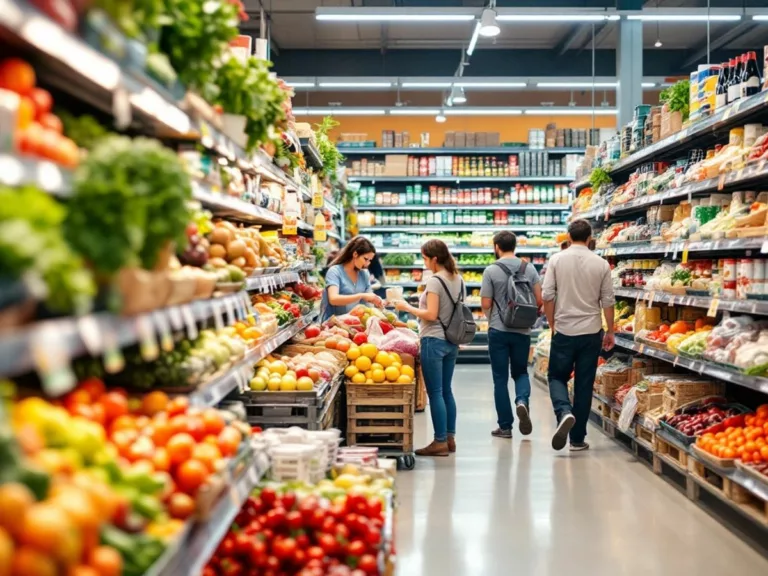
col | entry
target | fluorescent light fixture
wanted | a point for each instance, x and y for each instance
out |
(570, 111)
(440, 118)
(483, 112)
(339, 111)
(760, 17)
(414, 111)
(576, 84)
(355, 84)
(393, 17)
(301, 84)
(554, 17)
(470, 84)
(473, 41)
(426, 85)
(648, 84)
(685, 17)
(488, 26)
(457, 95)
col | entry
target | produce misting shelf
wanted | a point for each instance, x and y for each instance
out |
(460, 179)
(757, 383)
(372, 150)
(745, 306)
(238, 376)
(460, 228)
(269, 282)
(677, 247)
(736, 179)
(467, 250)
(424, 207)
(69, 337)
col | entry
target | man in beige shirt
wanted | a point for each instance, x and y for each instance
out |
(577, 286)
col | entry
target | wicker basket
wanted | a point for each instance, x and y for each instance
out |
(612, 381)
(678, 394)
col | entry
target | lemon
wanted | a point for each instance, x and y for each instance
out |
(404, 379)
(378, 376)
(384, 359)
(407, 370)
(350, 371)
(392, 374)
(368, 350)
(353, 353)
(363, 363)
(358, 378)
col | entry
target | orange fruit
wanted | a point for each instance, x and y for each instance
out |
(154, 402)
(363, 363)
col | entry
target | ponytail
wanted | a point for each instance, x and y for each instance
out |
(437, 249)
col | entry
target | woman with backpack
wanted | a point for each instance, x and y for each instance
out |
(438, 323)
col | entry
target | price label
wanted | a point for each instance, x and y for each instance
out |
(50, 357)
(739, 173)
(166, 338)
(189, 321)
(666, 250)
(174, 315)
(90, 333)
(641, 348)
(229, 306)
(320, 234)
(712, 311)
(674, 362)
(113, 357)
(651, 296)
(685, 253)
(147, 341)
(674, 251)
(318, 200)
(218, 316)
(607, 213)
(121, 108)
(761, 165)
(721, 181)
(764, 247)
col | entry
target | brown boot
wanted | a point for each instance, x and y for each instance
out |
(451, 443)
(434, 449)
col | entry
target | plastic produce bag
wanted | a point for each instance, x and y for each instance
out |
(628, 410)
(402, 341)
(374, 332)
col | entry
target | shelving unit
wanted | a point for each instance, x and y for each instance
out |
(460, 179)
(348, 150)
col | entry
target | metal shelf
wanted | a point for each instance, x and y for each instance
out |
(311, 154)
(459, 179)
(675, 248)
(224, 205)
(18, 170)
(756, 383)
(424, 207)
(407, 228)
(370, 150)
(417, 284)
(745, 306)
(466, 250)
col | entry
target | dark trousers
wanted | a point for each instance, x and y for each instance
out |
(509, 357)
(577, 354)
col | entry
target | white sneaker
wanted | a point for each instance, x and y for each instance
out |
(563, 428)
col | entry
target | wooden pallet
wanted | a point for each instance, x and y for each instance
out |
(749, 503)
(671, 454)
(710, 478)
(421, 391)
(380, 415)
(645, 437)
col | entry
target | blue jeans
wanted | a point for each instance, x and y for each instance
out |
(509, 353)
(577, 354)
(438, 359)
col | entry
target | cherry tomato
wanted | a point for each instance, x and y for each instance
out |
(299, 557)
(258, 553)
(356, 548)
(227, 546)
(315, 553)
(375, 507)
(230, 567)
(273, 563)
(342, 533)
(328, 544)
(373, 537)
(254, 527)
(275, 518)
(368, 564)
(268, 497)
(115, 405)
(329, 525)
(288, 500)
(317, 518)
(302, 540)
(294, 520)
(243, 543)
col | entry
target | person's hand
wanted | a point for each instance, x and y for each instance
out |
(373, 299)
(608, 341)
(401, 305)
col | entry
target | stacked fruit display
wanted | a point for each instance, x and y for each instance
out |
(369, 365)
(748, 443)
(299, 372)
(334, 527)
(244, 249)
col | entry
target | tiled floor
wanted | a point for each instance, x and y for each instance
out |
(501, 507)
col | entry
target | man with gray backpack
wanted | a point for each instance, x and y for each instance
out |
(511, 298)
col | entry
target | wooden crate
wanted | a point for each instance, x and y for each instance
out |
(421, 391)
(708, 477)
(645, 436)
(671, 453)
(380, 415)
(749, 503)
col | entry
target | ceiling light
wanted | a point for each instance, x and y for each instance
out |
(555, 17)
(648, 84)
(492, 84)
(301, 84)
(760, 17)
(386, 15)
(488, 26)
(457, 95)
(473, 41)
(426, 85)
(576, 84)
(414, 111)
(685, 17)
(355, 84)
(483, 112)
(440, 118)
(570, 111)
(658, 43)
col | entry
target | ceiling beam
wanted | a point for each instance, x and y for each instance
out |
(720, 42)
(569, 39)
(601, 32)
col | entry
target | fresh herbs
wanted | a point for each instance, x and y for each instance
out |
(84, 130)
(33, 248)
(328, 151)
(677, 98)
(129, 200)
(248, 89)
(599, 177)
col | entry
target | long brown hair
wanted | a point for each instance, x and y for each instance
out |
(437, 249)
(359, 244)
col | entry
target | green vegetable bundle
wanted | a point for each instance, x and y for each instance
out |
(677, 98)
(129, 201)
(32, 247)
(330, 154)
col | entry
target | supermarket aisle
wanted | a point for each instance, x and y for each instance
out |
(500, 507)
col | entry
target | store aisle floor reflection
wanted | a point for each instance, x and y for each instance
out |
(499, 507)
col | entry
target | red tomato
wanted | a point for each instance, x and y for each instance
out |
(160, 459)
(213, 421)
(368, 564)
(191, 475)
(161, 431)
(284, 548)
(98, 413)
(178, 405)
(180, 447)
(375, 507)
(275, 518)
(299, 557)
(181, 506)
(356, 548)
(208, 454)
(141, 449)
(328, 544)
(268, 496)
(229, 441)
(342, 533)
(196, 428)
(76, 397)
(373, 537)
(288, 500)
(315, 552)
(258, 553)
(52, 122)
(114, 404)
(17, 75)
(294, 520)
(43, 101)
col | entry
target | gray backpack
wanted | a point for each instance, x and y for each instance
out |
(461, 327)
(521, 310)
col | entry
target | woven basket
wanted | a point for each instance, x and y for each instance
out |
(678, 394)
(612, 381)
(648, 400)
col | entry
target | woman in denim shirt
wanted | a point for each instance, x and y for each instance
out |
(347, 281)
(438, 356)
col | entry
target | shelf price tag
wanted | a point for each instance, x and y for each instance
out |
(651, 295)
(721, 181)
(51, 359)
(166, 338)
(218, 315)
(113, 357)
(90, 333)
(121, 108)
(674, 251)
(230, 308)
(764, 247)
(685, 253)
(174, 315)
(712, 311)
(189, 321)
(147, 341)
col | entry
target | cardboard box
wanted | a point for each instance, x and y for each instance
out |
(481, 139)
(492, 139)
(470, 139)
(450, 140)
(461, 140)
(396, 165)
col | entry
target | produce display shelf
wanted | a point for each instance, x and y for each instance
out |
(306, 227)
(675, 248)
(334, 235)
(238, 376)
(730, 180)
(756, 383)
(466, 250)
(425, 207)
(269, 282)
(745, 306)
(581, 183)
(459, 179)
(331, 207)
(417, 284)
(224, 205)
(311, 154)
(371, 150)
(718, 123)
(201, 542)
(50, 342)
(461, 266)
(460, 228)
(19, 170)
